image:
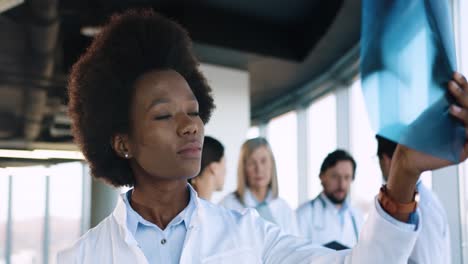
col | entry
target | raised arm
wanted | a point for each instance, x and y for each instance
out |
(386, 237)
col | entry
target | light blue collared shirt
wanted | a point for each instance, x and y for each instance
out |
(160, 246)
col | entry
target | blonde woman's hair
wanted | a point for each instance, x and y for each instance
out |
(247, 149)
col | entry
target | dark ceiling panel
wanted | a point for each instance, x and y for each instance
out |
(272, 39)
(272, 29)
(339, 41)
(279, 12)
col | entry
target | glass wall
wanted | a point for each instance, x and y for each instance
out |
(46, 211)
(3, 213)
(322, 138)
(364, 149)
(28, 212)
(253, 132)
(282, 135)
(66, 186)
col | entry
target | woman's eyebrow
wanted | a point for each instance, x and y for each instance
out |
(159, 101)
(156, 102)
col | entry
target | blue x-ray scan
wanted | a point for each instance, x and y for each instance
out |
(407, 59)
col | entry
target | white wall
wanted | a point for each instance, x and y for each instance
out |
(231, 118)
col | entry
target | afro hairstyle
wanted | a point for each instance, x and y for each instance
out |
(101, 84)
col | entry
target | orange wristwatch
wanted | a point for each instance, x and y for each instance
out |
(393, 207)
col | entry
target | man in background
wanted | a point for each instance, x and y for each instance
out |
(329, 219)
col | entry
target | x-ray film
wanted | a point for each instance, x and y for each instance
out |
(407, 59)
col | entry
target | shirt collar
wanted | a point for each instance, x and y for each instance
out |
(134, 219)
(251, 201)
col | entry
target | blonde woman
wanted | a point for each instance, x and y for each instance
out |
(257, 186)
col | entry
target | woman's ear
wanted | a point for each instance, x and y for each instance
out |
(121, 146)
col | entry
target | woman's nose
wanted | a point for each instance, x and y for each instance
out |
(186, 126)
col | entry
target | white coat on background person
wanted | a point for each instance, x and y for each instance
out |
(321, 222)
(330, 217)
(257, 186)
(433, 244)
(281, 213)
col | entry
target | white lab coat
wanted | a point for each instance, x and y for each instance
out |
(433, 243)
(283, 215)
(218, 235)
(319, 221)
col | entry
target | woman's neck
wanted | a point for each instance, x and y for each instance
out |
(259, 193)
(160, 202)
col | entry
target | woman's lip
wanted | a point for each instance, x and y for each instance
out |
(259, 179)
(190, 145)
(190, 152)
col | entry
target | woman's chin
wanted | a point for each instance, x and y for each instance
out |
(190, 172)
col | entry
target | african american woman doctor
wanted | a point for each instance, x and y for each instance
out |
(138, 105)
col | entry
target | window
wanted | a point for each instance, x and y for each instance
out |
(364, 149)
(40, 229)
(463, 36)
(66, 185)
(253, 132)
(3, 212)
(282, 135)
(28, 211)
(322, 138)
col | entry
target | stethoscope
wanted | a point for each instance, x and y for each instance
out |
(324, 206)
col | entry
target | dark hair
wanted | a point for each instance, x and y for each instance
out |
(213, 151)
(101, 84)
(385, 146)
(333, 158)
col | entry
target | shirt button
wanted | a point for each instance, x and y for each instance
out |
(163, 241)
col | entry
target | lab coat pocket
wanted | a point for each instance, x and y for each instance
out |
(235, 256)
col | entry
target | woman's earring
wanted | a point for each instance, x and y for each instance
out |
(126, 155)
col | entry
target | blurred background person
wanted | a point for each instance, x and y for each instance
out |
(212, 170)
(329, 219)
(257, 186)
(433, 244)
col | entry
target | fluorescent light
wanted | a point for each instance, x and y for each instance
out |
(89, 31)
(7, 4)
(41, 154)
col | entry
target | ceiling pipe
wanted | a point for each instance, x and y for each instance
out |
(42, 32)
